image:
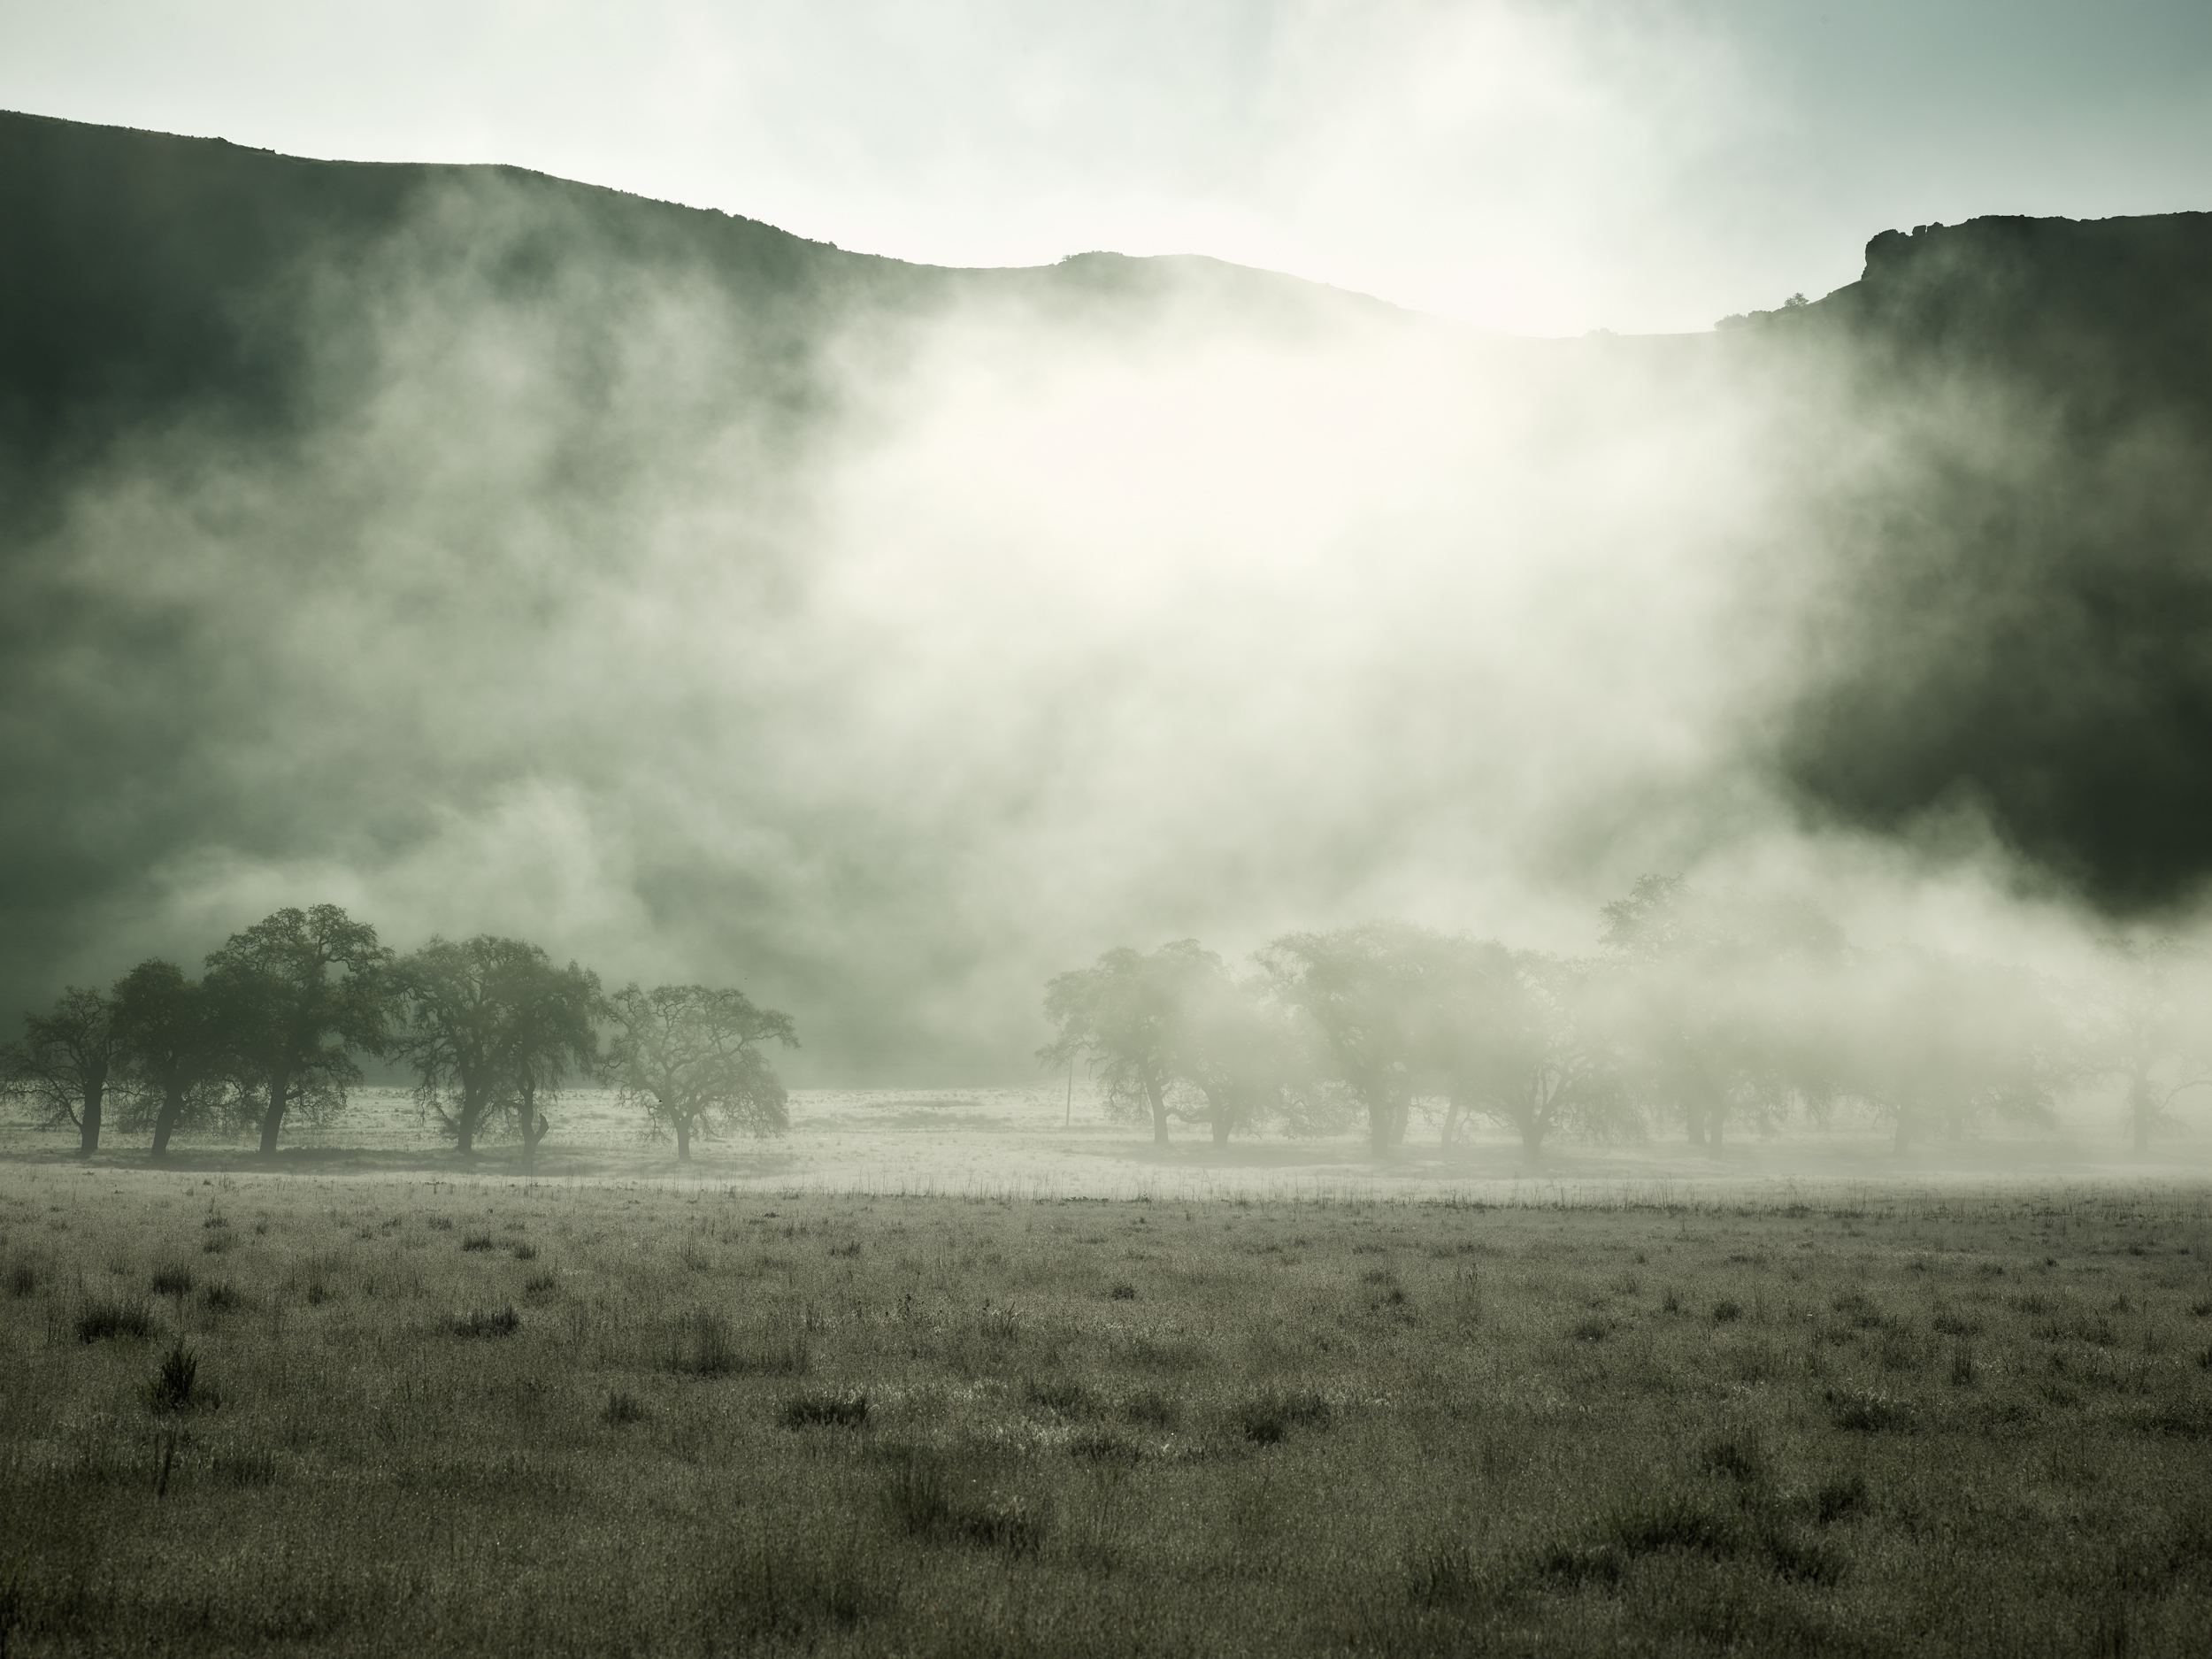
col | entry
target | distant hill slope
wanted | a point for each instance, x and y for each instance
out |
(142, 272)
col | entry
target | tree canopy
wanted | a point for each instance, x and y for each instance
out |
(692, 1056)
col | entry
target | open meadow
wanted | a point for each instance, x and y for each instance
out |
(277, 1411)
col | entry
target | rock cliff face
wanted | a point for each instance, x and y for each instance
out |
(2022, 624)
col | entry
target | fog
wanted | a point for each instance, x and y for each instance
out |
(887, 678)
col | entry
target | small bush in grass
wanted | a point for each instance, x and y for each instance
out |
(218, 1243)
(1645, 1526)
(820, 1408)
(1123, 1293)
(107, 1320)
(2201, 1307)
(622, 1408)
(1741, 1456)
(170, 1389)
(1964, 1372)
(923, 1498)
(1267, 1417)
(1593, 1329)
(781, 1594)
(1671, 1303)
(440, 1224)
(1449, 1579)
(1105, 1448)
(221, 1298)
(246, 1466)
(476, 1241)
(1839, 1495)
(1801, 1560)
(1062, 1394)
(1727, 1311)
(22, 1279)
(704, 1345)
(175, 1280)
(319, 1292)
(477, 1323)
(1151, 1408)
(541, 1286)
(1867, 1413)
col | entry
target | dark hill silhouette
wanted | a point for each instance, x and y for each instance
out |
(143, 272)
(2025, 623)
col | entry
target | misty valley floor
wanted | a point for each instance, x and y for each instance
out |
(598, 1417)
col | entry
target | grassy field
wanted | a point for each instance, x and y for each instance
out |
(246, 1412)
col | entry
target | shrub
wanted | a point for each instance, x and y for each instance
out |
(525, 1252)
(170, 1389)
(621, 1407)
(246, 1466)
(541, 1286)
(440, 1224)
(22, 1279)
(1062, 1394)
(175, 1280)
(923, 1500)
(1866, 1413)
(103, 1320)
(476, 1241)
(1962, 1368)
(1593, 1329)
(218, 1243)
(1106, 1449)
(1645, 1526)
(1123, 1293)
(319, 1292)
(703, 1345)
(1839, 1495)
(1726, 1311)
(1447, 1577)
(1741, 1456)
(221, 1298)
(477, 1323)
(822, 1409)
(1267, 1417)
(1151, 1408)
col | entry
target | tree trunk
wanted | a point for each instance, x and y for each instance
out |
(1532, 1135)
(1378, 1116)
(2139, 1111)
(1221, 1126)
(166, 1119)
(272, 1119)
(1903, 1142)
(533, 1129)
(683, 1141)
(1695, 1115)
(1451, 1123)
(1158, 1096)
(1720, 1122)
(88, 1136)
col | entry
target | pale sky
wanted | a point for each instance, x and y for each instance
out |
(1542, 168)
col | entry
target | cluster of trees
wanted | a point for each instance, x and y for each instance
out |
(1716, 1014)
(491, 1030)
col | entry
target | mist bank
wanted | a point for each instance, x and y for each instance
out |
(487, 553)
